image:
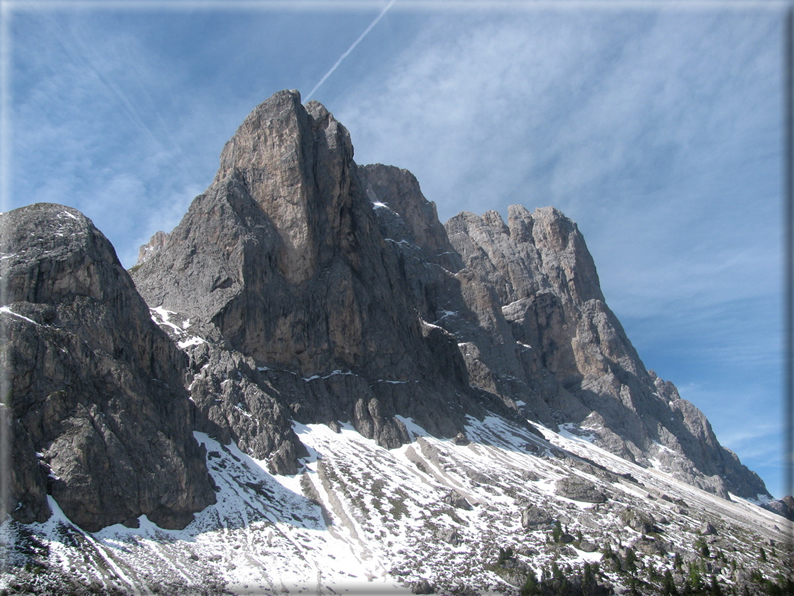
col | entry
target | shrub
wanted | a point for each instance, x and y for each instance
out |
(504, 555)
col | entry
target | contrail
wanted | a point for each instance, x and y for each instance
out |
(351, 48)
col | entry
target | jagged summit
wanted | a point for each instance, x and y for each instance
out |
(304, 261)
(578, 365)
(283, 261)
(366, 389)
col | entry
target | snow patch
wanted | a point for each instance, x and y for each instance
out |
(574, 432)
(414, 430)
(191, 341)
(7, 309)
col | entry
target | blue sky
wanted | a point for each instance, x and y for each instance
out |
(656, 126)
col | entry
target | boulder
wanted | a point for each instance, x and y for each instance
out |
(533, 517)
(422, 586)
(579, 489)
(457, 500)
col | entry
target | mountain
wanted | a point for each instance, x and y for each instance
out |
(100, 422)
(285, 259)
(311, 367)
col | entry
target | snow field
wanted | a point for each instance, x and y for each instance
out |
(360, 518)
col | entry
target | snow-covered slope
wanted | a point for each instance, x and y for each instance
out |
(311, 385)
(360, 518)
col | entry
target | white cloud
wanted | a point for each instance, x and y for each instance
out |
(628, 122)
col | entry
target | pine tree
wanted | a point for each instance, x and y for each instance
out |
(504, 555)
(556, 572)
(715, 587)
(695, 578)
(668, 585)
(530, 587)
(587, 577)
(630, 561)
(556, 533)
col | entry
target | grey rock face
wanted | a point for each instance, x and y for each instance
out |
(555, 345)
(283, 260)
(331, 293)
(155, 243)
(101, 420)
(397, 191)
(784, 507)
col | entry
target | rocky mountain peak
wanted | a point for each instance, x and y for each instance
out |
(294, 162)
(302, 260)
(396, 191)
(101, 420)
(284, 261)
(544, 241)
(318, 369)
(563, 248)
(156, 242)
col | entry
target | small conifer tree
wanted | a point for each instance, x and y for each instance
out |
(530, 587)
(504, 555)
(668, 585)
(715, 589)
(556, 533)
(587, 576)
(695, 578)
(630, 560)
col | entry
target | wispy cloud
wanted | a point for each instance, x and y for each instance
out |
(89, 129)
(657, 131)
(653, 131)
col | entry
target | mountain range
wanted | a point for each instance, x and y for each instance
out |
(311, 384)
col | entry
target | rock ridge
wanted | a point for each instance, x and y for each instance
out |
(346, 297)
(100, 418)
(303, 288)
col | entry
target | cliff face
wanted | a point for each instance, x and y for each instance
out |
(332, 293)
(99, 416)
(304, 288)
(575, 363)
(282, 266)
